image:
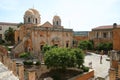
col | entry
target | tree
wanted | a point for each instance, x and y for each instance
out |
(20, 24)
(85, 45)
(9, 35)
(63, 58)
(105, 46)
(79, 57)
(47, 48)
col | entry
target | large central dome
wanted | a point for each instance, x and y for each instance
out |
(32, 11)
(32, 16)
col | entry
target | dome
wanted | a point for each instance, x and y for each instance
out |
(56, 21)
(32, 16)
(32, 12)
(29, 12)
(56, 17)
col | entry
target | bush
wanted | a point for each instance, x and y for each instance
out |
(28, 62)
(23, 55)
(38, 63)
(85, 69)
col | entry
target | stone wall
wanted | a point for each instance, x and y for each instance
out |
(116, 39)
(85, 76)
(18, 70)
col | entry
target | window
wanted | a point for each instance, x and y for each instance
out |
(57, 23)
(36, 20)
(104, 35)
(67, 44)
(1, 36)
(41, 47)
(28, 19)
(0, 27)
(97, 35)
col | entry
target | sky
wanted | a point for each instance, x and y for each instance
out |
(79, 15)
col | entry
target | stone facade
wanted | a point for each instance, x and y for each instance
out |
(33, 36)
(101, 34)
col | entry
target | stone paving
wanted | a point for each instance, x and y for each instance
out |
(101, 70)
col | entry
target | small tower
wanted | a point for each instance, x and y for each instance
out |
(56, 21)
(32, 16)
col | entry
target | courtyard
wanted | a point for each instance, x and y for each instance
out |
(101, 70)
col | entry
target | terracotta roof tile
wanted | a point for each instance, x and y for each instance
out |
(105, 27)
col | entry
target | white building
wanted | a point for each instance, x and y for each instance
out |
(5, 26)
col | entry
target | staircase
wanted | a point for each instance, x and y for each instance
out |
(19, 47)
(5, 74)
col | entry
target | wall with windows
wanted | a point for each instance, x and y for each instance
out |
(5, 26)
(101, 35)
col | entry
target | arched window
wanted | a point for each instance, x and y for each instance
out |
(57, 23)
(36, 20)
(29, 19)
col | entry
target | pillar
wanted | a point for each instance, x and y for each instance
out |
(112, 74)
(4, 60)
(119, 70)
(31, 75)
(0, 57)
(14, 67)
(21, 72)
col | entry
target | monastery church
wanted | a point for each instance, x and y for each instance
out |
(32, 35)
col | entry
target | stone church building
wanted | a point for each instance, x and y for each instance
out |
(32, 35)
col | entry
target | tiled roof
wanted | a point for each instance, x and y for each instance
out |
(105, 27)
(47, 24)
(8, 23)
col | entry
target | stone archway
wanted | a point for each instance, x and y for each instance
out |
(56, 41)
(28, 45)
(67, 43)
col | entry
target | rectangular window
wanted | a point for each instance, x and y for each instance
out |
(0, 27)
(0, 36)
(104, 35)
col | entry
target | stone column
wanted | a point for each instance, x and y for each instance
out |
(112, 74)
(4, 60)
(9, 63)
(31, 75)
(14, 67)
(119, 70)
(21, 72)
(0, 57)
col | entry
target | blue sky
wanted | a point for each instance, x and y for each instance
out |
(81, 15)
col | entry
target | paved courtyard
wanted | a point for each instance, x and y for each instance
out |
(101, 70)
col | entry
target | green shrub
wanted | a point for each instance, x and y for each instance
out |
(38, 63)
(28, 62)
(23, 55)
(85, 69)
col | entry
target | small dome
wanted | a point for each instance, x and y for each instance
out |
(56, 17)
